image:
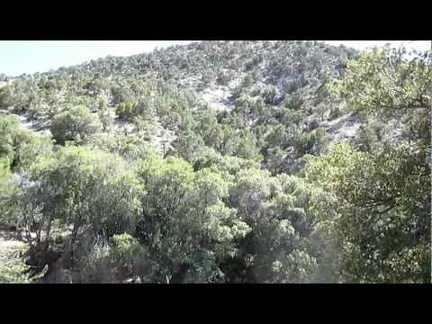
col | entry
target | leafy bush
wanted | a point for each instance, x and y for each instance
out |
(13, 272)
(74, 124)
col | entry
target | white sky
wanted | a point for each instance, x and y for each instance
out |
(17, 57)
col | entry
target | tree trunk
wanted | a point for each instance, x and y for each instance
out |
(180, 274)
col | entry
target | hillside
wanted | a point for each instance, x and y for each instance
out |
(222, 162)
(245, 78)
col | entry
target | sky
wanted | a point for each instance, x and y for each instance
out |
(18, 57)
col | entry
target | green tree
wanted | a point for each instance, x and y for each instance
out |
(74, 124)
(81, 188)
(277, 249)
(188, 144)
(185, 225)
(7, 190)
(9, 130)
(105, 114)
(383, 221)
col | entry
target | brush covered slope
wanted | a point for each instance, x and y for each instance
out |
(225, 161)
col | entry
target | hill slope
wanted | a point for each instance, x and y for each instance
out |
(260, 83)
(222, 162)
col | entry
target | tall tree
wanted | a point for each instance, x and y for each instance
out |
(384, 194)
